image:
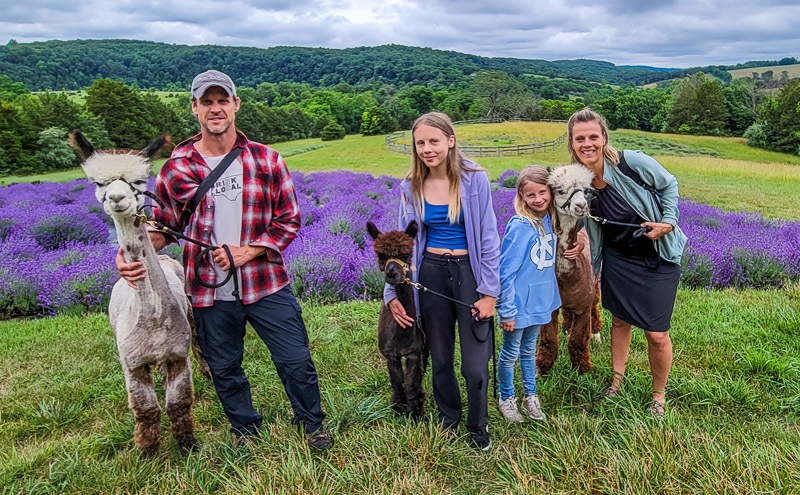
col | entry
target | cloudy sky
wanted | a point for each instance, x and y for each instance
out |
(662, 33)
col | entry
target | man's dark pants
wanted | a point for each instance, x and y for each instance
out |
(277, 319)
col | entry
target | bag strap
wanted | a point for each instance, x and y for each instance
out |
(202, 189)
(628, 171)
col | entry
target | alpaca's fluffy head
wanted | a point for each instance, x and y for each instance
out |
(120, 180)
(392, 246)
(120, 176)
(571, 185)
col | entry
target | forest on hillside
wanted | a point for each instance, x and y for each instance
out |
(291, 98)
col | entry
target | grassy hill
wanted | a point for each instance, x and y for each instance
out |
(793, 70)
(721, 171)
(56, 65)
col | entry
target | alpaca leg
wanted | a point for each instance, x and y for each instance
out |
(395, 365)
(146, 412)
(597, 317)
(566, 321)
(578, 344)
(415, 370)
(179, 398)
(548, 345)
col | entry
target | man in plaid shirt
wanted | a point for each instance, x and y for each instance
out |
(253, 210)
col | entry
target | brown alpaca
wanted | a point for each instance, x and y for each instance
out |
(576, 281)
(394, 250)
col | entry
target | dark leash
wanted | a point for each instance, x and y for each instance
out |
(207, 248)
(637, 233)
(471, 307)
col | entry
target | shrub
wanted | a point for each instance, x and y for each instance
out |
(332, 131)
(510, 181)
(54, 232)
(756, 135)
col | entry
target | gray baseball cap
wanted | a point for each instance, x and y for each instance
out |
(210, 78)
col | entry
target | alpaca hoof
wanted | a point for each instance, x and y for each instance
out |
(148, 452)
(400, 409)
(585, 368)
(187, 444)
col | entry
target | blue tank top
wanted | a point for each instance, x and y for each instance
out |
(441, 233)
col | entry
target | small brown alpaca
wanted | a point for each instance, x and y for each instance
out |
(396, 344)
(577, 285)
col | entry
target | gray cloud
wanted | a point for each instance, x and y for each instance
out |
(667, 33)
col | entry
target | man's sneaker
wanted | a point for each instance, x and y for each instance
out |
(533, 408)
(479, 438)
(508, 408)
(319, 440)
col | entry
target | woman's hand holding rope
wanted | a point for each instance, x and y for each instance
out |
(657, 229)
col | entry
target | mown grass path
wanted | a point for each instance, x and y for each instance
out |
(733, 424)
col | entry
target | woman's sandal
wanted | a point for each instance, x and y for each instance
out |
(612, 392)
(658, 409)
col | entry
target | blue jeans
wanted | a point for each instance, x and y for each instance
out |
(521, 343)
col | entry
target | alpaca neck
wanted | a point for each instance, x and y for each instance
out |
(566, 238)
(405, 294)
(135, 241)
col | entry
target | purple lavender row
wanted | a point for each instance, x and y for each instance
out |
(57, 249)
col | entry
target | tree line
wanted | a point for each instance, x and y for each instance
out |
(34, 126)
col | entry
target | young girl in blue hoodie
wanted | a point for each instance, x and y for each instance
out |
(528, 288)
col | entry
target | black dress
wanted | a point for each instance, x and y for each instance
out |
(636, 285)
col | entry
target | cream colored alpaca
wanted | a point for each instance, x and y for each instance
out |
(151, 324)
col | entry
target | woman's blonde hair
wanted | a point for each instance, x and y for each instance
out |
(538, 175)
(454, 165)
(589, 115)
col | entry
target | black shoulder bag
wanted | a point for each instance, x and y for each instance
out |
(628, 171)
(189, 209)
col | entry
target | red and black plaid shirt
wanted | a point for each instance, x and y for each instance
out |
(270, 216)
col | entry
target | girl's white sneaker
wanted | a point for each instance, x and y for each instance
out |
(508, 408)
(533, 407)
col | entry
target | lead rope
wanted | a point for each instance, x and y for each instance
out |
(421, 287)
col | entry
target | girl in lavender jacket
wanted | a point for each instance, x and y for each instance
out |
(456, 252)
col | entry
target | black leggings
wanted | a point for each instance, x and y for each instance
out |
(452, 276)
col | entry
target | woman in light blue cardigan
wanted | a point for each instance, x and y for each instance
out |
(639, 274)
(456, 252)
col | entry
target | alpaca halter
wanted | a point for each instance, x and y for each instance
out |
(405, 266)
(586, 193)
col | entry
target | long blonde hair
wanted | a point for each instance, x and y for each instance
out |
(589, 115)
(454, 165)
(538, 175)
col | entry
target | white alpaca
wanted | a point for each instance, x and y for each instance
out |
(576, 282)
(151, 324)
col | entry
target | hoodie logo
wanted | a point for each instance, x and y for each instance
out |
(541, 250)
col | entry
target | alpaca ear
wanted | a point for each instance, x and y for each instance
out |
(82, 145)
(373, 230)
(151, 149)
(411, 230)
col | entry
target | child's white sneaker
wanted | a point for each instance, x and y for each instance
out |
(533, 408)
(509, 410)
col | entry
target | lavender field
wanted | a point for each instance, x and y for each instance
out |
(56, 252)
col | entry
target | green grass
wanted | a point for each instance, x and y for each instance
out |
(721, 171)
(793, 70)
(733, 424)
(722, 147)
(79, 96)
